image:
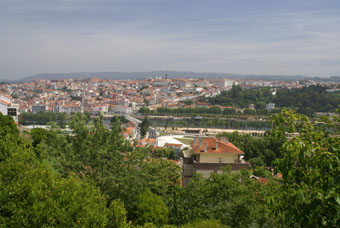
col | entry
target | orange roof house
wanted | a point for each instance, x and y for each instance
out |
(214, 145)
(209, 155)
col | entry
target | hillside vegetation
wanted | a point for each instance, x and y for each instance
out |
(94, 178)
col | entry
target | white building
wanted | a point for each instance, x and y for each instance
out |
(68, 109)
(270, 106)
(222, 83)
(8, 108)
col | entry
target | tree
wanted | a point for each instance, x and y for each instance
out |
(7, 126)
(32, 196)
(144, 126)
(117, 215)
(151, 209)
(310, 191)
(205, 224)
(248, 111)
(10, 141)
(144, 110)
(38, 136)
(233, 199)
(229, 111)
(160, 175)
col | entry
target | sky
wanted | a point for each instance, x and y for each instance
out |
(271, 37)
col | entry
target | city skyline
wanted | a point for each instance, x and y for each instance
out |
(243, 37)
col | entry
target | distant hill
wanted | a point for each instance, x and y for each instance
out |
(153, 74)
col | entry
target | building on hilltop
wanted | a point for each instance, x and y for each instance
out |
(209, 155)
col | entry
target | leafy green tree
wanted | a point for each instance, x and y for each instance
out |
(160, 175)
(261, 171)
(144, 110)
(10, 141)
(229, 111)
(7, 126)
(310, 191)
(164, 153)
(61, 117)
(233, 199)
(151, 209)
(255, 162)
(32, 196)
(144, 126)
(205, 224)
(117, 215)
(248, 111)
(38, 135)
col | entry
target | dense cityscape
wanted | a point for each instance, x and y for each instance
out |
(172, 135)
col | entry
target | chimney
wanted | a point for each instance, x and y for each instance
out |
(200, 143)
(216, 145)
(205, 147)
(226, 140)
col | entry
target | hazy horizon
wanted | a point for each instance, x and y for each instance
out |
(148, 74)
(239, 37)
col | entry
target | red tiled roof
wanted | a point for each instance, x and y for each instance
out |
(148, 140)
(75, 106)
(5, 102)
(223, 146)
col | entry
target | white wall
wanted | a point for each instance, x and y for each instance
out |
(3, 108)
(218, 158)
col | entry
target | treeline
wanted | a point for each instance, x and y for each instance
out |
(212, 123)
(212, 111)
(42, 118)
(306, 100)
(94, 178)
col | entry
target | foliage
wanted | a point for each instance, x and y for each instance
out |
(7, 126)
(151, 209)
(102, 156)
(100, 180)
(306, 100)
(121, 119)
(10, 141)
(234, 199)
(266, 148)
(211, 123)
(310, 191)
(144, 110)
(144, 126)
(31, 195)
(164, 153)
(38, 136)
(261, 171)
(205, 224)
(42, 118)
(242, 98)
(161, 175)
(117, 215)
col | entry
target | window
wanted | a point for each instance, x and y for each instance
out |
(12, 112)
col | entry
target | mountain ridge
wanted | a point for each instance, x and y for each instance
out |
(153, 74)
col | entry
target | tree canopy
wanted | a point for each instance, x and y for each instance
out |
(92, 177)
